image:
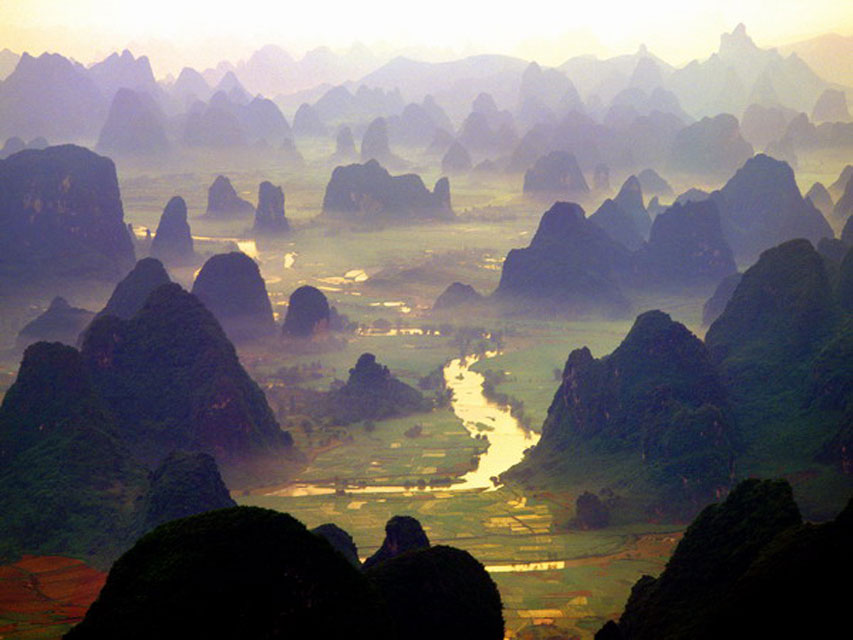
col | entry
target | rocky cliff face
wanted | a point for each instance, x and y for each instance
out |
(556, 175)
(367, 193)
(61, 215)
(686, 249)
(223, 201)
(130, 294)
(372, 393)
(183, 485)
(269, 216)
(135, 126)
(59, 323)
(173, 241)
(761, 207)
(199, 399)
(307, 313)
(570, 264)
(231, 287)
(657, 399)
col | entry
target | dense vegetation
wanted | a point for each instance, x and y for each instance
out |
(174, 381)
(747, 567)
(656, 400)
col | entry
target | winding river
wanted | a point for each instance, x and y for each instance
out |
(507, 438)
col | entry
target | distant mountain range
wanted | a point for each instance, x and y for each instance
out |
(830, 55)
(614, 92)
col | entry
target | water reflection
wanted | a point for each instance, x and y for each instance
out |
(508, 440)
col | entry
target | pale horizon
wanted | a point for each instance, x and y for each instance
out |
(203, 34)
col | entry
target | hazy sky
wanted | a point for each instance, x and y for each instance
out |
(549, 31)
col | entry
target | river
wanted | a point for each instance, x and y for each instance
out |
(507, 438)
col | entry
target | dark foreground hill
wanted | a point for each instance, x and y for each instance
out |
(266, 576)
(746, 568)
(262, 573)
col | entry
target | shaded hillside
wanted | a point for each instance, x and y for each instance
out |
(308, 313)
(67, 484)
(403, 534)
(59, 323)
(230, 285)
(61, 216)
(367, 193)
(571, 264)
(655, 411)
(183, 485)
(738, 566)
(783, 344)
(686, 250)
(50, 96)
(273, 578)
(761, 207)
(371, 393)
(130, 294)
(135, 126)
(199, 398)
(173, 242)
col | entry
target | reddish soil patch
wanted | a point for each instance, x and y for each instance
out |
(44, 596)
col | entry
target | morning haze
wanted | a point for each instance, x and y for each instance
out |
(450, 321)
